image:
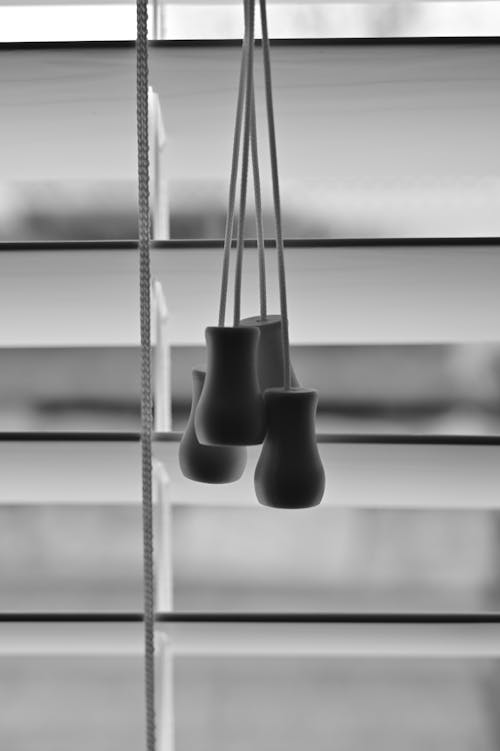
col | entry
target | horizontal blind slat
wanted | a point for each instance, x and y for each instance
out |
(352, 294)
(334, 640)
(363, 474)
(374, 138)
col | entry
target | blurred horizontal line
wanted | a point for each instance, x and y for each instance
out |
(84, 437)
(365, 41)
(268, 639)
(290, 42)
(87, 617)
(196, 244)
(385, 438)
(281, 617)
(174, 437)
(347, 617)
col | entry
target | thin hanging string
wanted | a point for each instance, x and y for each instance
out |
(276, 196)
(232, 183)
(250, 21)
(146, 392)
(258, 210)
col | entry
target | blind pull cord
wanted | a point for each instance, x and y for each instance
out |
(250, 138)
(276, 197)
(249, 34)
(259, 220)
(232, 184)
(245, 118)
(250, 142)
(146, 362)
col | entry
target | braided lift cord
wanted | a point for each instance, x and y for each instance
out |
(249, 28)
(232, 184)
(146, 390)
(276, 197)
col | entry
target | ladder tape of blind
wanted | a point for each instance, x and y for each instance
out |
(146, 385)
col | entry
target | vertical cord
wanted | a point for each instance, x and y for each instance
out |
(232, 183)
(250, 20)
(276, 196)
(146, 394)
(258, 210)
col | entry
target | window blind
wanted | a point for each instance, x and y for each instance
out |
(69, 111)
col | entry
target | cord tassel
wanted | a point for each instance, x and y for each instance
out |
(289, 473)
(230, 410)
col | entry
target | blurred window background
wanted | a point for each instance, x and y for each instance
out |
(76, 20)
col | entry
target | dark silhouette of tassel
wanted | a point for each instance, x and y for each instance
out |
(212, 464)
(269, 353)
(230, 411)
(289, 473)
